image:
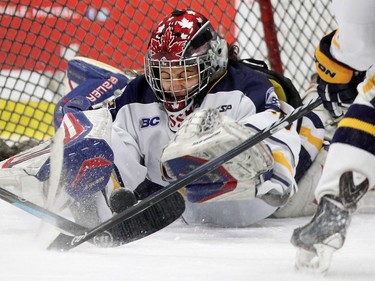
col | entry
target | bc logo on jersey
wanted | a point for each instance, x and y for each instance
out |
(147, 122)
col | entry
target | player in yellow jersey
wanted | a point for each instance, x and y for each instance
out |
(345, 65)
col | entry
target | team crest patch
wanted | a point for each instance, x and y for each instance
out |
(272, 101)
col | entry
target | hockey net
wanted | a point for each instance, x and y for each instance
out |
(38, 37)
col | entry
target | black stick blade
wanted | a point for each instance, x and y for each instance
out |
(145, 223)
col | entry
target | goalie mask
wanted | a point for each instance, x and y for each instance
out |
(184, 55)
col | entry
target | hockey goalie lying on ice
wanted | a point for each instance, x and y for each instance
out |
(178, 115)
(88, 158)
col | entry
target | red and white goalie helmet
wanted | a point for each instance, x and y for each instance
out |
(184, 54)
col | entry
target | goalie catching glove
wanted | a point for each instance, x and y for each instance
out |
(204, 135)
(92, 84)
(337, 82)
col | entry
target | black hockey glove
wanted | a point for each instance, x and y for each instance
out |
(123, 198)
(337, 82)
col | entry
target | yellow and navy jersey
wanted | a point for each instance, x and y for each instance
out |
(357, 128)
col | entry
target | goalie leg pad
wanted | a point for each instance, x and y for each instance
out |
(88, 158)
(87, 167)
(302, 203)
(206, 134)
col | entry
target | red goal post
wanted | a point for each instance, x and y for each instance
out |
(38, 37)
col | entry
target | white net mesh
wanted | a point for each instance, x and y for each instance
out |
(39, 37)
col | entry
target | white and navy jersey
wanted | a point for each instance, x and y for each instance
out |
(141, 126)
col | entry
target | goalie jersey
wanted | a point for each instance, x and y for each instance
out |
(143, 127)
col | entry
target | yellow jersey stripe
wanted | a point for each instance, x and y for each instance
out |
(369, 84)
(279, 157)
(334, 40)
(358, 125)
(317, 142)
(116, 184)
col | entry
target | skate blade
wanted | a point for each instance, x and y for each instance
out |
(311, 262)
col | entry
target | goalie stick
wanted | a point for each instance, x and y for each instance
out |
(142, 225)
(56, 166)
(66, 242)
(46, 215)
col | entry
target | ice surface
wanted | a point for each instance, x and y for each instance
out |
(179, 253)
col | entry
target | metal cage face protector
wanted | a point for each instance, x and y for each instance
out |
(177, 81)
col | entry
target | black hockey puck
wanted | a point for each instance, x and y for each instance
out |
(121, 199)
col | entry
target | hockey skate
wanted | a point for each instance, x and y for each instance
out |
(326, 232)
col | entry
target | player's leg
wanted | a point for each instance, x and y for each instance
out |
(347, 175)
(303, 202)
(326, 232)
